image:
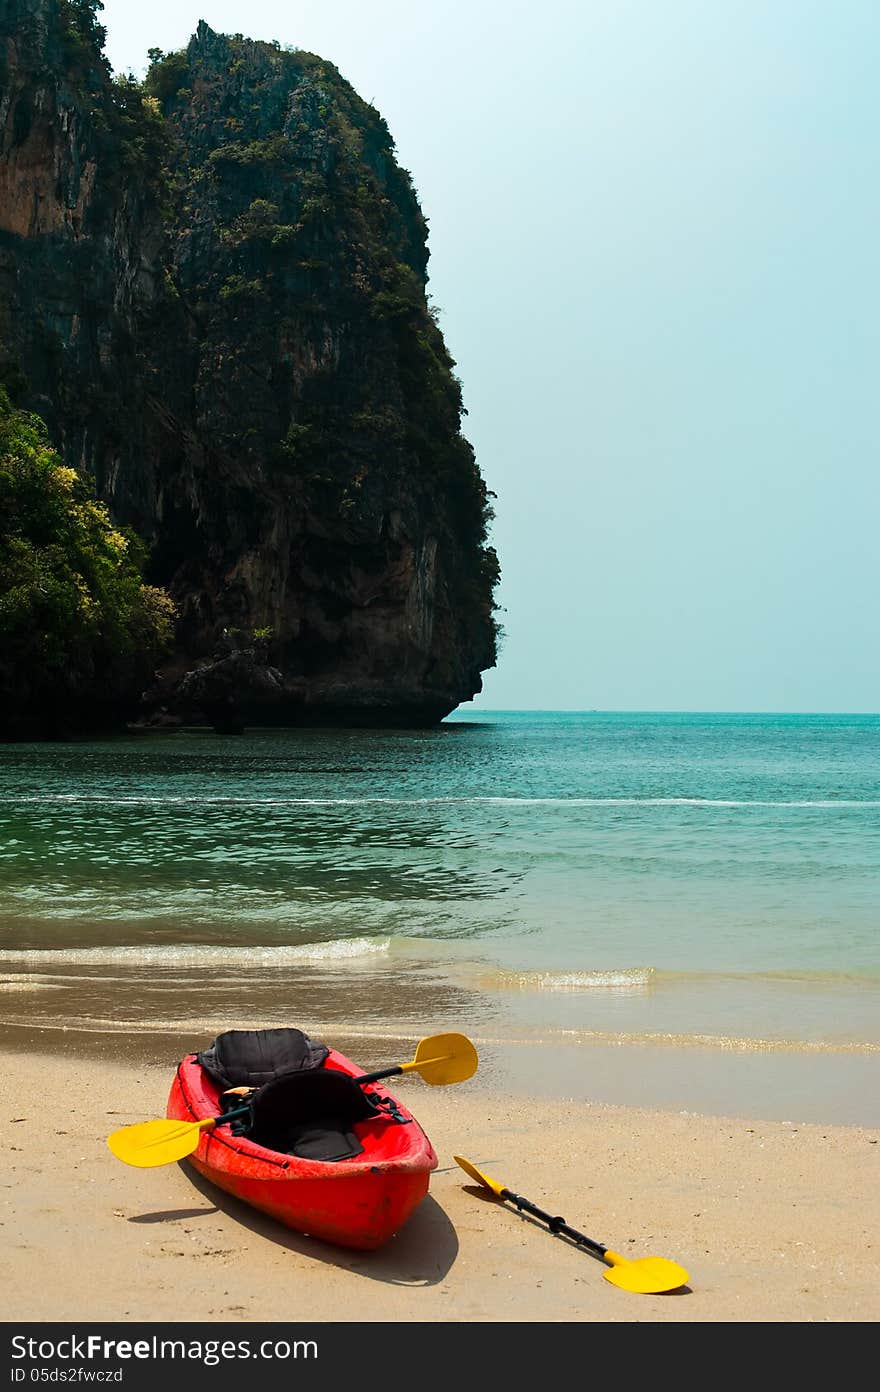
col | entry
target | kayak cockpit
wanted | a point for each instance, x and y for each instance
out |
(303, 1103)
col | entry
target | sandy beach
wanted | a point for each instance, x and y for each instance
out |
(432, 600)
(774, 1221)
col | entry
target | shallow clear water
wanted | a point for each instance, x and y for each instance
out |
(693, 879)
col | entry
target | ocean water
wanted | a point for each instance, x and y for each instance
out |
(670, 896)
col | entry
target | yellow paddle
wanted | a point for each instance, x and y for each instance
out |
(646, 1275)
(441, 1058)
(150, 1143)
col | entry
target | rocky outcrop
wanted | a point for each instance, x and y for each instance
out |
(226, 691)
(213, 289)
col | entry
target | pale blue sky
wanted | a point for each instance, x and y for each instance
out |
(655, 228)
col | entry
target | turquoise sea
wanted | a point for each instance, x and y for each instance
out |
(678, 909)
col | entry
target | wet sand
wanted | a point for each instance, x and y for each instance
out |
(774, 1220)
(737, 1078)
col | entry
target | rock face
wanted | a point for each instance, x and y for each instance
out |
(213, 290)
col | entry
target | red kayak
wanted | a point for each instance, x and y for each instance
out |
(377, 1167)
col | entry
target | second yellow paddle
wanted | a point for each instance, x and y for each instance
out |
(645, 1275)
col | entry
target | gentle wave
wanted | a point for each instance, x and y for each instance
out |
(197, 955)
(207, 1025)
(731, 1043)
(626, 980)
(868, 977)
(89, 799)
(28, 984)
(475, 973)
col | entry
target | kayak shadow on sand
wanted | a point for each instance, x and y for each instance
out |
(421, 1254)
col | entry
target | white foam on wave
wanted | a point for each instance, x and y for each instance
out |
(626, 980)
(10, 984)
(725, 1042)
(198, 955)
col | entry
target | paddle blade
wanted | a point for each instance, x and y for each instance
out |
(445, 1058)
(646, 1275)
(484, 1179)
(152, 1143)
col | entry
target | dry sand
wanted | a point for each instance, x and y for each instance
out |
(774, 1221)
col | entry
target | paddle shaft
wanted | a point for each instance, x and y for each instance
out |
(417, 1063)
(556, 1225)
(382, 1073)
(364, 1078)
(227, 1116)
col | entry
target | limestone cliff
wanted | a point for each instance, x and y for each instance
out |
(213, 289)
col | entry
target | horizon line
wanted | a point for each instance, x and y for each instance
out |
(649, 710)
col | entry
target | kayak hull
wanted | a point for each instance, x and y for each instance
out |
(358, 1203)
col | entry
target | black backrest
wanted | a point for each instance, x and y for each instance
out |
(252, 1058)
(310, 1114)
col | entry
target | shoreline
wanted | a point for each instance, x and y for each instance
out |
(761, 1214)
(800, 1085)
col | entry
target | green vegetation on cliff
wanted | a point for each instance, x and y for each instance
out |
(289, 178)
(129, 132)
(79, 630)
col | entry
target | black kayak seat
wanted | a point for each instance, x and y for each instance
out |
(311, 1115)
(251, 1058)
(299, 1107)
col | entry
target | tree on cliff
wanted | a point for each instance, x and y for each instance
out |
(79, 631)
